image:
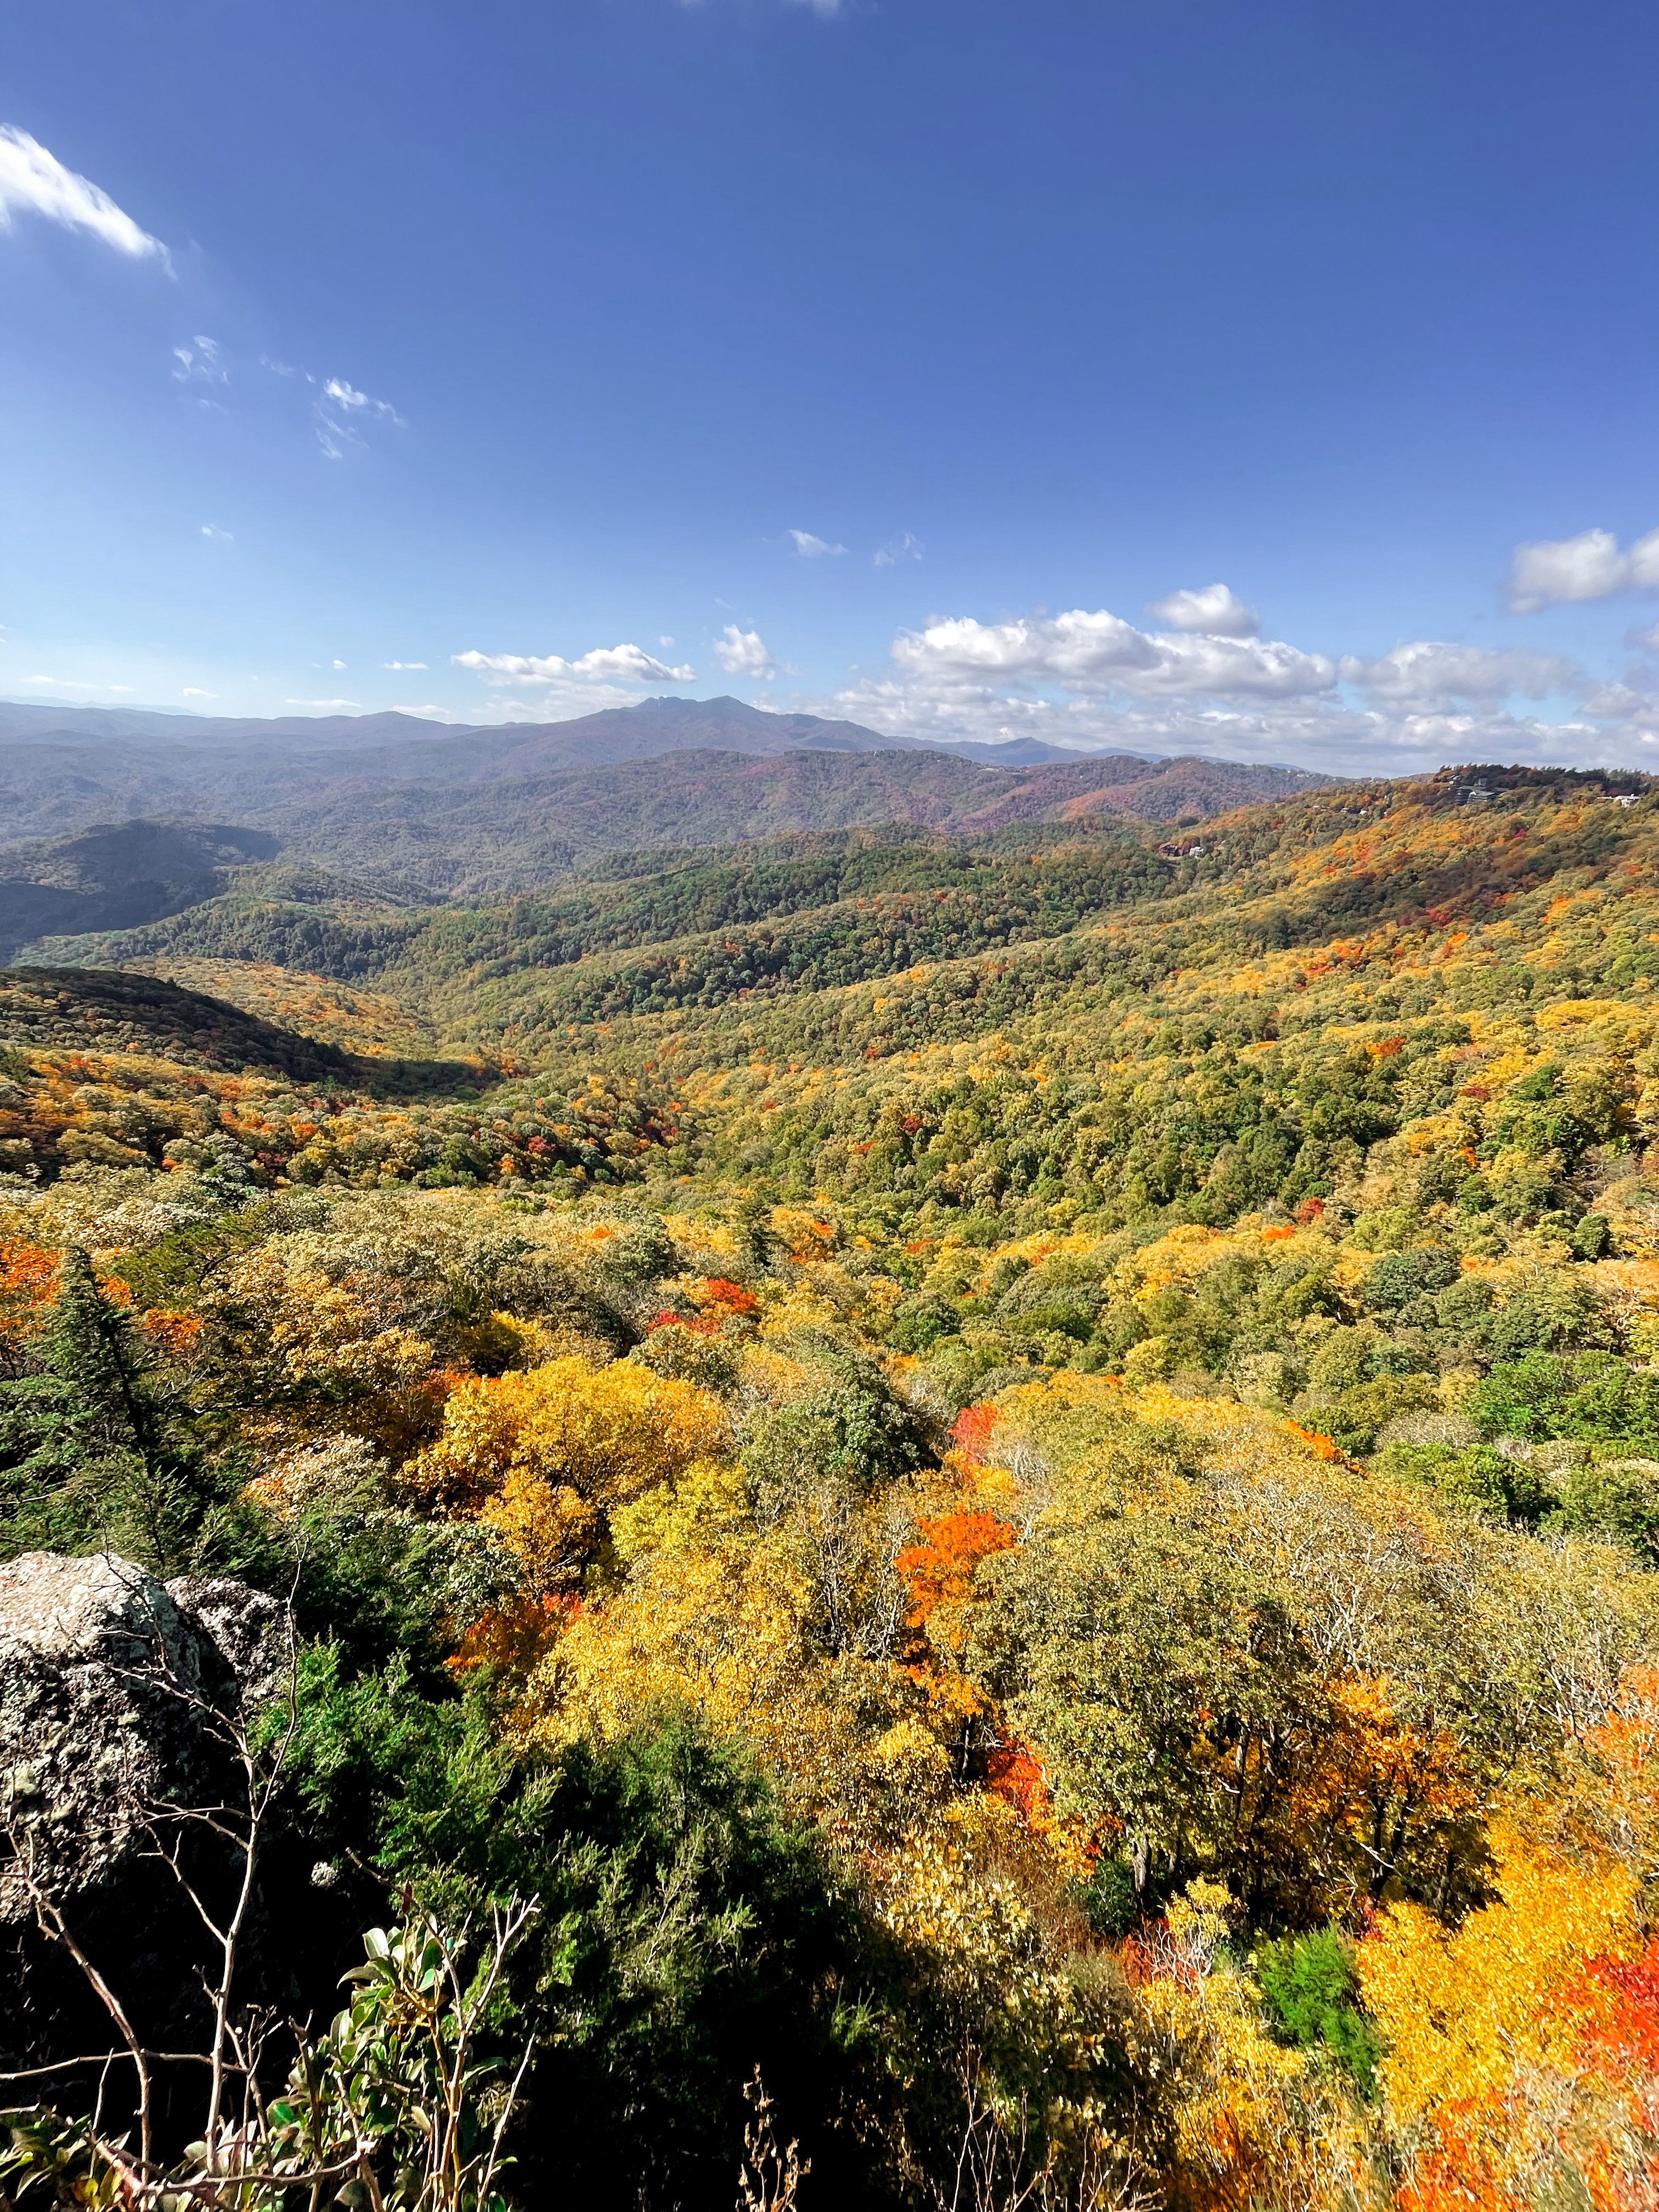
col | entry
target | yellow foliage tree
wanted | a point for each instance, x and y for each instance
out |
(1461, 2007)
(728, 1634)
(690, 1630)
(545, 1455)
(1521, 2067)
(705, 1510)
(311, 1355)
(1255, 2124)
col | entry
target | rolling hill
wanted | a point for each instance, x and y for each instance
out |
(117, 876)
(998, 914)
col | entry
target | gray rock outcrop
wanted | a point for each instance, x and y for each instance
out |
(243, 1638)
(112, 1690)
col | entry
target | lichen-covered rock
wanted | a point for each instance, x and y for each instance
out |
(101, 1608)
(110, 1688)
(249, 1633)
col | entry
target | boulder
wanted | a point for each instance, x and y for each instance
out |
(70, 1610)
(113, 1688)
(244, 1638)
(121, 1705)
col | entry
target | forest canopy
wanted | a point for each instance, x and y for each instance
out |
(1015, 1476)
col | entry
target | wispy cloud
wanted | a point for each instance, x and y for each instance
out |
(200, 362)
(1549, 571)
(219, 536)
(340, 409)
(402, 664)
(71, 683)
(340, 394)
(827, 10)
(337, 705)
(904, 547)
(813, 549)
(34, 181)
(1210, 610)
(190, 692)
(743, 652)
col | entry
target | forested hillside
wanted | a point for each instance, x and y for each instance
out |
(1012, 1470)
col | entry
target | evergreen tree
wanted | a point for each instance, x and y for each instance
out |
(91, 1456)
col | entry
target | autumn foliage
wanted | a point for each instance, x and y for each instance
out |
(28, 1286)
(545, 1456)
(1081, 1515)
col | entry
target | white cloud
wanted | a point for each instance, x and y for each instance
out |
(219, 536)
(1081, 651)
(1235, 667)
(35, 181)
(73, 683)
(743, 653)
(356, 403)
(1423, 674)
(199, 363)
(547, 686)
(190, 692)
(813, 549)
(1089, 681)
(1211, 609)
(667, 641)
(336, 703)
(402, 664)
(629, 664)
(1069, 647)
(338, 411)
(1619, 702)
(1319, 733)
(904, 547)
(1591, 566)
(337, 664)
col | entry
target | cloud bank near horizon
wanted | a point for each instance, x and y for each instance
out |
(1090, 680)
(1200, 677)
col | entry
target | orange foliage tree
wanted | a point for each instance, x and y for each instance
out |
(28, 1288)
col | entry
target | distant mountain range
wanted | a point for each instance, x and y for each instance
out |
(120, 815)
(408, 747)
(59, 766)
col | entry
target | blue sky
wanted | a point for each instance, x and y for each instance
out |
(930, 361)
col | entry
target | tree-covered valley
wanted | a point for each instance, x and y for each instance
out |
(942, 1516)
